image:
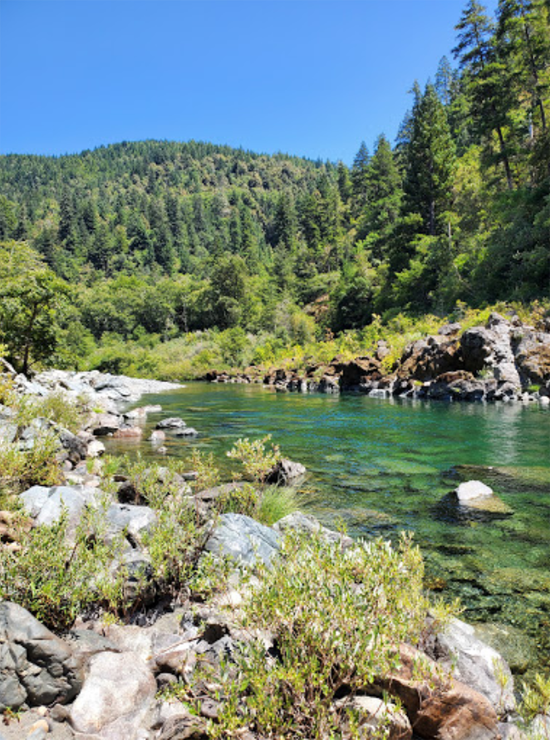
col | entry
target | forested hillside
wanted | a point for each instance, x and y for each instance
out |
(166, 238)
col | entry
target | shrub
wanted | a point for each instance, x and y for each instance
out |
(337, 618)
(256, 459)
(56, 577)
(277, 502)
(38, 465)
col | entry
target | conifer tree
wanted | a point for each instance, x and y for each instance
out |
(430, 163)
(487, 82)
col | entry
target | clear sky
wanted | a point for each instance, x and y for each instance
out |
(306, 77)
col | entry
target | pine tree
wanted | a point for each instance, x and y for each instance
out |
(360, 178)
(523, 34)
(430, 163)
(487, 83)
(382, 212)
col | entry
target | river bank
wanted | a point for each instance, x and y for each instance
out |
(99, 653)
(504, 360)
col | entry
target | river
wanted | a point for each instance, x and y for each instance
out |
(384, 465)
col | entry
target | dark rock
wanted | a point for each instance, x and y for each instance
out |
(284, 472)
(36, 667)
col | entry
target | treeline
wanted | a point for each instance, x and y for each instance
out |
(167, 237)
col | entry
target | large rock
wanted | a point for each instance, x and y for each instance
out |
(532, 355)
(36, 667)
(436, 707)
(46, 505)
(476, 664)
(472, 489)
(131, 519)
(490, 348)
(284, 472)
(174, 422)
(114, 699)
(376, 718)
(428, 358)
(243, 539)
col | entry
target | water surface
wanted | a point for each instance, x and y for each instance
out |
(387, 465)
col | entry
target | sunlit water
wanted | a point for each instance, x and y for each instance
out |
(387, 465)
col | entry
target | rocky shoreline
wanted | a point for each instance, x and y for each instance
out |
(106, 680)
(505, 360)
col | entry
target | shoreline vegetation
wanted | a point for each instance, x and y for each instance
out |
(212, 610)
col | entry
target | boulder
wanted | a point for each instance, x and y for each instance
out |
(46, 505)
(185, 432)
(375, 718)
(115, 697)
(174, 422)
(95, 448)
(438, 707)
(284, 472)
(243, 539)
(472, 489)
(36, 667)
(104, 424)
(490, 348)
(427, 358)
(131, 519)
(475, 663)
(127, 432)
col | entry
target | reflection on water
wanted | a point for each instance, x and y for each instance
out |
(384, 465)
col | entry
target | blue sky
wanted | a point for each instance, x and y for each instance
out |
(311, 77)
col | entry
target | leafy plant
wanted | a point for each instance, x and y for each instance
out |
(337, 618)
(256, 458)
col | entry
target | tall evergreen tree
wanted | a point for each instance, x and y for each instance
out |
(430, 163)
(486, 80)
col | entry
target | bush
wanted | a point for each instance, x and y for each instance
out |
(56, 577)
(337, 618)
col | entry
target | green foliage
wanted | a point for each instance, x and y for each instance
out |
(256, 458)
(57, 576)
(31, 301)
(20, 468)
(337, 618)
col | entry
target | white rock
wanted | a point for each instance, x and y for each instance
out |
(472, 489)
(114, 699)
(95, 448)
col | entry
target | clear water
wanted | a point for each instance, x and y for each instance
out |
(387, 465)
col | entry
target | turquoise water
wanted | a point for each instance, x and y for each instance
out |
(387, 465)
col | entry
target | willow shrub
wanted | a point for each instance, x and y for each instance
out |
(337, 618)
(57, 575)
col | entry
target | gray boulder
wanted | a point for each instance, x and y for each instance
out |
(174, 422)
(46, 505)
(114, 699)
(244, 540)
(134, 520)
(36, 667)
(475, 664)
